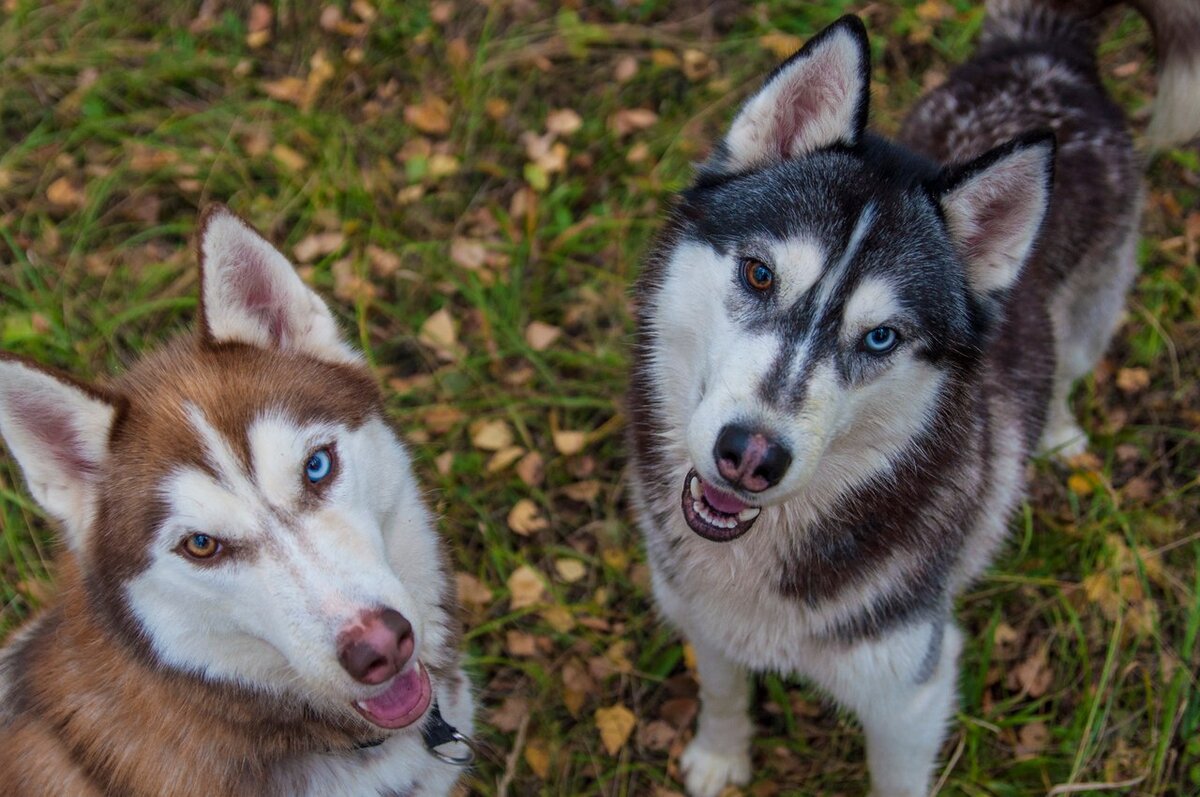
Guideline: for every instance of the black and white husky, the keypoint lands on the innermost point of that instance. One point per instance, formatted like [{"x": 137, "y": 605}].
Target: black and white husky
[{"x": 849, "y": 347}]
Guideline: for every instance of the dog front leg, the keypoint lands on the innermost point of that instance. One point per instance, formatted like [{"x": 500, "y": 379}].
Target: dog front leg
[
  {"x": 719, "y": 755},
  {"x": 903, "y": 688}
]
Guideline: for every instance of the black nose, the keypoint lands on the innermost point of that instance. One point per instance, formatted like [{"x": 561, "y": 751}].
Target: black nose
[{"x": 750, "y": 460}]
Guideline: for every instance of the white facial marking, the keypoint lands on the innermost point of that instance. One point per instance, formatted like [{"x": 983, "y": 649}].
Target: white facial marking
[
  {"x": 872, "y": 303},
  {"x": 798, "y": 263}
]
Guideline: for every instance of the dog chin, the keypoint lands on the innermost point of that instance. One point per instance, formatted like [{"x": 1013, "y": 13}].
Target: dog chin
[{"x": 715, "y": 514}]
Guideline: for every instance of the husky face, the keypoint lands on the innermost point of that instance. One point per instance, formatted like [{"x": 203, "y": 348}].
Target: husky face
[
  {"x": 819, "y": 290},
  {"x": 241, "y": 508}
]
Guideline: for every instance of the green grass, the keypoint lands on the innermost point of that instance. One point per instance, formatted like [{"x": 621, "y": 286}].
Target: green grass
[{"x": 148, "y": 117}]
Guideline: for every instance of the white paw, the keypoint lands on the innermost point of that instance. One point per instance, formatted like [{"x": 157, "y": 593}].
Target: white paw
[
  {"x": 706, "y": 772},
  {"x": 1064, "y": 440}
]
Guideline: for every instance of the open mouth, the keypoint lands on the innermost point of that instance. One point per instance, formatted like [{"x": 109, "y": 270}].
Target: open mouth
[
  {"x": 402, "y": 703},
  {"x": 715, "y": 515}
]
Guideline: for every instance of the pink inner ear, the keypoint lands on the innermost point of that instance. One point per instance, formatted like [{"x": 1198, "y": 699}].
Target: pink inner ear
[
  {"x": 256, "y": 292},
  {"x": 54, "y": 429},
  {"x": 997, "y": 219},
  {"x": 819, "y": 92}
]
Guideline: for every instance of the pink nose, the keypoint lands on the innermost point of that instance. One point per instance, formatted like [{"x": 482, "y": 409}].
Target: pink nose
[{"x": 376, "y": 646}]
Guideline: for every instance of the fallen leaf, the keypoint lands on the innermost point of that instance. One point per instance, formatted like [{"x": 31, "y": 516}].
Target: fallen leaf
[
  {"x": 531, "y": 469},
  {"x": 1032, "y": 739},
  {"x": 491, "y": 435},
  {"x": 630, "y": 120},
  {"x": 441, "y": 418},
  {"x": 511, "y": 713},
  {"x": 520, "y": 644},
  {"x": 348, "y": 284},
  {"x": 526, "y": 587},
  {"x": 563, "y": 122},
  {"x": 569, "y": 442},
  {"x": 472, "y": 591},
  {"x": 444, "y": 462},
  {"x": 383, "y": 262},
  {"x": 656, "y": 735},
  {"x": 577, "y": 685},
  {"x": 625, "y": 69},
  {"x": 541, "y": 336},
  {"x": 1033, "y": 676},
  {"x": 431, "y": 116},
  {"x": 438, "y": 333},
  {"x": 286, "y": 89},
  {"x": 559, "y": 618},
  {"x": 496, "y": 108},
  {"x": 310, "y": 247},
  {"x": 65, "y": 194},
  {"x": 570, "y": 570},
  {"x": 781, "y": 45},
  {"x": 584, "y": 492},
  {"x": 289, "y": 158},
  {"x": 615, "y": 724},
  {"x": 503, "y": 458},
  {"x": 469, "y": 254},
  {"x": 525, "y": 519},
  {"x": 697, "y": 65},
  {"x": 1132, "y": 380},
  {"x": 538, "y": 758}
]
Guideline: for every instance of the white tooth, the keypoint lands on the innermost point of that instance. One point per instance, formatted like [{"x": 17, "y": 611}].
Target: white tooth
[
  {"x": 749, "y": 513},
  {"x": 694, "y": 486}
]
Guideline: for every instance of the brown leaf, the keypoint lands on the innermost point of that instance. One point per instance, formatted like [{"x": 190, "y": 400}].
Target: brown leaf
[
  {"x": 615, "y": 723},
  {"x": 503, "y": 458},
  {"x": 559, "y": 618},
  {"x": 1032, "y": 739},
  {"x": 525, "y": 519},
  {"x": 531, "y": 469},
  {"x": 626, "y": 68},
  {"x": 630, "y": 120},
  {"x": 439, "y": 333},
  {"x": 289, "y": 158},
  {"x": 444, "y": 462},
  {"x": 679, "y": 711},
  {"x": 383, "y": 262},
  {"x": 286, "y": 89},
  {"x": 526, "y": 587},
  {"x": 472, "y": 591},
  {"x": 441, "y": 418},
  {"x": 431, "y": 116},
  {"x": 65, "y": 194},
  {"x": 469, "y": 254},
  {"x": 310, "y": 247},
  {"x": 584, "y": 492},
  {"x": 520, "y": 644},
  {"x": 1033, "y": 676},
  {"x": 348, "y": 285},
  {"x": 1132, "y": 380},
  {"x": 508, "y": 717},
  {"x": 541, "y": 336},
  {"x": 781, "y": 45},
  {"x": 656, "y": 735}
]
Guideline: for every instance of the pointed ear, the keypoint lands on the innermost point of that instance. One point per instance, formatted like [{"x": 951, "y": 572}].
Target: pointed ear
[
  {"x": 994, "y": 208},
  {"x": 57, "y": 430},
  {"x": 815, "y": 99},
  {"x": 250, "y": 293}
]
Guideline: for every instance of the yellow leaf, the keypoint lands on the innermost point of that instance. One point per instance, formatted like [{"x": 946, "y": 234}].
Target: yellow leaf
[
  {"x": 615, "y": 724},
  {"x": 538, "y": 758},
  {"x": 63, "y": 193},
  {"x": 526, "y": 587},
  {"x": 559, "y": 618},
  {"x": 781, "y": 45},
  {"x": 289, "y": 158},
  {"x": 491, "y": 435},
  {"x": 570, "y": 570},
  {"x": 286, "y": 89},
  {"x": 431, "y": 116},
  {"x": 525, "y": 519},
  {"x": 1083, "y": 483}
]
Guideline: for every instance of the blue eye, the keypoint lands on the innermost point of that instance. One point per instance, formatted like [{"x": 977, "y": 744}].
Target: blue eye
[
  {"x": 319, "y": 465},
  {"x": 880, "y": 340}
]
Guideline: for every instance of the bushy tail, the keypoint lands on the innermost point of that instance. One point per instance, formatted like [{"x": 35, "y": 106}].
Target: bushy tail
[{"x": 1176, "y": 27}]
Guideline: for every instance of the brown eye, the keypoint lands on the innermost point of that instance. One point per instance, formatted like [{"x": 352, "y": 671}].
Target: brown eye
[
  {"x": 201, "y": 546},
  {"x": 756, "y": 275}
]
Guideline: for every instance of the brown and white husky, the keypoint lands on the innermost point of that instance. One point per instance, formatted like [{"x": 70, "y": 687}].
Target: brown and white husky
[{"x": 252, "y": 598}]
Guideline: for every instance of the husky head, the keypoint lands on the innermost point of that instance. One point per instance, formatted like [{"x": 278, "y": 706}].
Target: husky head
[
  {"x": 239, "y": 507},
  {"x": 819, "y": 291}
]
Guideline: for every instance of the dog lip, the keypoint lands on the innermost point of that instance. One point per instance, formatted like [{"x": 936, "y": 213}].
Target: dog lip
[
  {"x": 699, "y": 511},
  {"x": 403, "y": 702}
]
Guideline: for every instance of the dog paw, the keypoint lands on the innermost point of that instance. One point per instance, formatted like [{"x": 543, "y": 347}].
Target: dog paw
[
  {"x": 706, "y": 772},
  {"x": 1064, "y": 440}
]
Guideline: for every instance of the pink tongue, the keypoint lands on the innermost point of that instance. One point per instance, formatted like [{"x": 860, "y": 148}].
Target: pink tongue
[
  {"x": 722, "y": 502},
  {"x": 401, "y": 697}
]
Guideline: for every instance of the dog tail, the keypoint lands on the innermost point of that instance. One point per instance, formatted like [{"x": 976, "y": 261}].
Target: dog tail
[{"x": 1075, "y": 24}]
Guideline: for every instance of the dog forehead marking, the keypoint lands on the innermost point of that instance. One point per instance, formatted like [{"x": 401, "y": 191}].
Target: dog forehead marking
[
  {"x": 831, "y": 282},
  {"x": 219, "y": 452},
  {"x": 801, "y": 262},
  {"x": 873, "y": 302}
]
